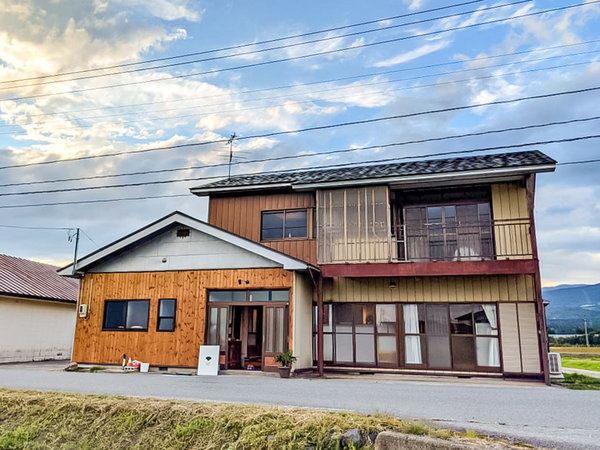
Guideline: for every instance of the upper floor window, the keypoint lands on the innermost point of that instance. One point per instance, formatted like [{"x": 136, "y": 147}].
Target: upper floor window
[
  {"x": 284, "y": 224},
  {"x": 126, "y": 315},
  {"x": 449, "y": 232}
]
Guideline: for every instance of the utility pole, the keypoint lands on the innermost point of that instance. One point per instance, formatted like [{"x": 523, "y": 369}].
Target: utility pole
[
  {"x": 587, "y": 340},
  {"x": 76, "y": 246},
  {"x": 230, "y": 142}
]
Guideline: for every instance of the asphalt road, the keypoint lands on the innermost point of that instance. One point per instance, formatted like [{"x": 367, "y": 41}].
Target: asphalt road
[{"x": 526, "y": 412}]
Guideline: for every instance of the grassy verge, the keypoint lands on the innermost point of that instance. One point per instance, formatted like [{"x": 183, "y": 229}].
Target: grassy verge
[
  {"x": 581, "y": 361},
  {"x": 581, "y": 382},
  {"x": 54, "y": 420}
]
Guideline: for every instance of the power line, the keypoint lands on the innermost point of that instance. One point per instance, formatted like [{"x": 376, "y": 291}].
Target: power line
[
  {"x": 79, "y": 202},
  {"x": 180, "y": 180},
  {"x": 339, "y": 88},
  {"x": 280, "y": 47},
  {"x": 151, "y": 197},
  {"x": 36, "y": 228},
  {"x": 310, "y": 55},
  {"x": 372, "y": 74},
  {"x": 238, "y": 46},
  {"x": 331, "y": 152},
  {"x": 315, "y": 128},
  {"x": 89, "y": 238},
  {"x": 586, "y": 161}
]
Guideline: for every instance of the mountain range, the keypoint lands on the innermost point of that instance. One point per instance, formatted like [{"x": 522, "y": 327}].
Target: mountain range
[{"x": 570, "y": 304}]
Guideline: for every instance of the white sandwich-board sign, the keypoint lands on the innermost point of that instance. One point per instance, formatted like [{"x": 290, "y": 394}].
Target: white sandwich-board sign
[{"x": 208, "y": 360}]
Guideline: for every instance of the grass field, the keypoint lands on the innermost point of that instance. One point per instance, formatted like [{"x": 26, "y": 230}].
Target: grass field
[
  {"x": 54, "y": 420},
  {"x": 576, "y": 349},
  {"x": 581, "y": 361}
]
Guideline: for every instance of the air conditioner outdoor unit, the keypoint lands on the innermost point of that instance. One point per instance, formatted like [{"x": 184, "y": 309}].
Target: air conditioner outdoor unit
[
  {"x": 82, "y": 310},
  {"x": 555, "y": 366}
]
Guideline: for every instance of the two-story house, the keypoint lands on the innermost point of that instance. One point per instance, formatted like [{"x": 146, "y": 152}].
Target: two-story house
[
  {"x": 424, "y": 266},
  {"x": 427, "y": 266}
]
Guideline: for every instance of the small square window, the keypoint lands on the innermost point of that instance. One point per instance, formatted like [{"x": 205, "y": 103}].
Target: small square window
[{"x": 166, "y": 314}]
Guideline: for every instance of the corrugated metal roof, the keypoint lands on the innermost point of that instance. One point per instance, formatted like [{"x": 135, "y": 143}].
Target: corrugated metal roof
[
  {"x": 25, "y": 278},
  {"x": 423, "y": 167}
]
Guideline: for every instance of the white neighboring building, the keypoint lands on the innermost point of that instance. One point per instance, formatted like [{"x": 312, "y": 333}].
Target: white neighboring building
[{"x": 37, "y": 311}]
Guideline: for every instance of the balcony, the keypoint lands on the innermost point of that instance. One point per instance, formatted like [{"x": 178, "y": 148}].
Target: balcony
[
  {"x": 477, "y": 241},
  {"x": 356, "y": 237},
  {"x": 491, "y": 247}
]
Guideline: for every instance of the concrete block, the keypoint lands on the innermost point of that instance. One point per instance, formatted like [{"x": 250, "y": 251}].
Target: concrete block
[{"x": 389, "y": 440}]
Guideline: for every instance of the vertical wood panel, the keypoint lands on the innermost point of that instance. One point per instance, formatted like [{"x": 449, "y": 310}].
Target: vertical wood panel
[
  {"x": 529, "y": 338},
  {"x": 511, "y": 354},
  {"x": 177, "y": 348},
  {"x": 242, "y": 215},
  {"x": 450, "y": 289}
]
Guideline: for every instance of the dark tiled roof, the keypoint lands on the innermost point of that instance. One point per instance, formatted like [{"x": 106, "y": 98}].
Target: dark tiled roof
[
  {"x": 25, "y": 278},
  {"x": 431, "y": 166}
]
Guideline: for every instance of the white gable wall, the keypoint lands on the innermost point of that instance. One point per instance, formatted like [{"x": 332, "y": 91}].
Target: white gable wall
[{"x": 199, "y": 251}]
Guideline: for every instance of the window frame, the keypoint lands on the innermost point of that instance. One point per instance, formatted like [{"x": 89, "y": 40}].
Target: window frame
[
  {"x": 486, "y": 230},
  {"x": 126, "y": 301},
  {"x": 308, "y": 226},
  {"x": 248, "y": 296},
  {"x": 400, "y": 335},
  {"x": 452, "y": 334},
  {"x": 159, "y": 317}
]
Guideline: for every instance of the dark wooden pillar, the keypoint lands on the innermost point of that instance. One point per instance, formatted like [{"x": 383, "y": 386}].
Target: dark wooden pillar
[
  {"x": 320, "y": 312},
  {"x": 539, "y": 302}
]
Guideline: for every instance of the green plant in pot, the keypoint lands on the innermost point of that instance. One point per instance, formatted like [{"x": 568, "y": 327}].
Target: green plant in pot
[{"x": 286, "y": 360}]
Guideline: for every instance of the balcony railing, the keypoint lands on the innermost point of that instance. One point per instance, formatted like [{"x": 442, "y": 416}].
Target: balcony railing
[{"x": 474, "y": 241}]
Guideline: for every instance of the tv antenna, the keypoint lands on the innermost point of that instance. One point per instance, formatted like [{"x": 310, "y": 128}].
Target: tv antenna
[{"x": 230, "y": 142}]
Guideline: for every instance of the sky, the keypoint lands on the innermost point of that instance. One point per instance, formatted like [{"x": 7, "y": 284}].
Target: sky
[{"x": 86, "y": 79}]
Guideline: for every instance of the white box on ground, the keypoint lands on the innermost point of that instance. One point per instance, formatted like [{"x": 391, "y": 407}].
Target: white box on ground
[{"x": 208, "y": 361}]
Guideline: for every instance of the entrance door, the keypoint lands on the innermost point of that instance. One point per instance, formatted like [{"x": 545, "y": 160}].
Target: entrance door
[
  {"x": 275, "y": 332},
  {"x": 238, "y": 331},
  {"x": 253, "y": 342},
  {"x": 234, "y": 341},
  {"x": 244, "y": 343},
  {"x": 217, "y": 331}
]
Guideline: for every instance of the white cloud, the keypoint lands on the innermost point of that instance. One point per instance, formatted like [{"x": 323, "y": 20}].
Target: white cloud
[
  {"x": 414, "y": 4},
  {"x": 413, "y": 54},
  {"x": 167, "y": 9},
  {"x": 213, "y": 122}
]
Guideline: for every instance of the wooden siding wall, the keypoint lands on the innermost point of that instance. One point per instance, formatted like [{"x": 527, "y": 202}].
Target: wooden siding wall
[
  {"x": 477, "y": 288},
  {"x": 520, "y": 343},
  {"x": 178, "y": 348},
  {"x": 509, "y": 203},
  {"x": 242, "y": 215}
]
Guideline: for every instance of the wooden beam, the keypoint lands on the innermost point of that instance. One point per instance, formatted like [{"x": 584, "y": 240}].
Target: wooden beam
[
  {"x": 436, "y": 268},
  {"x": 539, "y": 302}
]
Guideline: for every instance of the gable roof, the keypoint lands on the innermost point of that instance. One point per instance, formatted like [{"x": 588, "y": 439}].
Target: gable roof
[
  {"x": 155, "y": 228},
  {"x": 30, "y": 279},
  {"x": 498, "y": 164}
]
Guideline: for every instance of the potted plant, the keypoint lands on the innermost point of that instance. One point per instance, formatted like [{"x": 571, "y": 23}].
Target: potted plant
[{"x": 285, "y": 359}]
